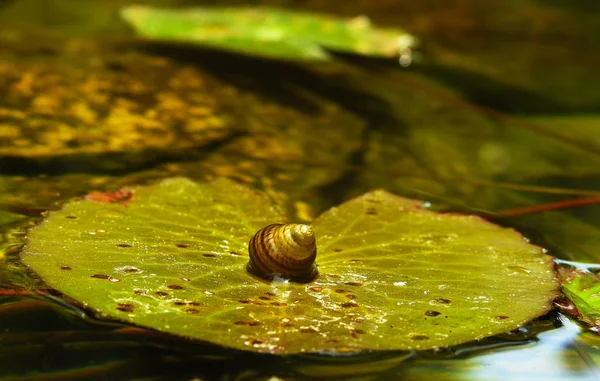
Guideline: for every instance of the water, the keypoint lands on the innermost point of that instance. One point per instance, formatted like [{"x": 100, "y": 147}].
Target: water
[{"x": 498, "y": 111}]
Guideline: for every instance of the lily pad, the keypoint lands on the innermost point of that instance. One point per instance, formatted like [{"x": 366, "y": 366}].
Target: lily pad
[
  {"x": 583, "y": 289},
  {"x": 270, "y": 32},
  {"x": 392, "y": 275},
  {"x": 68, "y": 105},
  {"x": 62, "y": 105}
]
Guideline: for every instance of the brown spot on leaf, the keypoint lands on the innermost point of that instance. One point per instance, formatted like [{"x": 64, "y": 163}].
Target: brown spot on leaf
[
  {"x": 249, "y": 323},
  {"x": 443, "y": 301},
  {"x": 359, "y": 320},
  {"x": 121, "y": 196},
  {"x": 71, "y": 217},
  {"x": 307, "y": 330},
  {"x": 269, "y": 293},
  {"x": 420, "y": 337},
  {"x": 180, "y": 303},
  {"x": 255, "y": 302},
  {"x": 354, "y": 261},
  {"x": 278, "y": 304},
  {"x": 101, "y": 276},
  {"x": 125, "y": 307},
  {"x": 432, "y": 313},
  {"x": 161, "y": 293},
  {"x": 349, "y": 304},
  {"x": 123, "y": 245},
  {"x": 234, "y": 253},
  {"x": 174, "y": 287},
  {"x": 137, "y": 291},
  {"x": 357, "y": 284},
  {"x": 340, "y": 291},
  {"x": 264, "y": 298},
  {"x": 502, "y": 317},
  {"x": 351, "y": 296},
  {"x": 360, "y": 331},
  {"x": 195, "y": 304},
  {"x": 209, "y": 255},
  {"x": 371, "y": 211},
  {"x": 337, "y": 250},
  {"x": 131, "y": 270},
  {"x": 315, "y": 288},
  {"x": 333, "y": 276},
  {"x": 66, "y": 268},
  {"x": 183, "y": 245},
  {"x": 192, "y": 311}
]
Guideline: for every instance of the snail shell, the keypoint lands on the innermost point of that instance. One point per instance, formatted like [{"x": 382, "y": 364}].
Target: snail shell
[{"x": 285, "y": 250}]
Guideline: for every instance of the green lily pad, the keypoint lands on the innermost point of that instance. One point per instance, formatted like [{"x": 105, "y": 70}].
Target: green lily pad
[
  {"x": 392, "y": 275},
  {"x": 583, "y": 289},
  {"x": 262, "y": 31}
]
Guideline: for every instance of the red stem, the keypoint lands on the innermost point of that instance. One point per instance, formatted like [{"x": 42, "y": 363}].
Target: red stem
[{"x": 546, "y": 207}]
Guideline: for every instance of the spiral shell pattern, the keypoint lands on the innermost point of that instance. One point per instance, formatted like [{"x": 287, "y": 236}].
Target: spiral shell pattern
[{"x": 285, "y": 250}]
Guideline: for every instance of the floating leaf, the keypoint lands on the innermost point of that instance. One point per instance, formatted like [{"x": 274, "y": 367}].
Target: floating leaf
[
  {"x": 268, "y": 32},
  {"x": 392, "y": 275},
  {"x": 583, "y": 289}
]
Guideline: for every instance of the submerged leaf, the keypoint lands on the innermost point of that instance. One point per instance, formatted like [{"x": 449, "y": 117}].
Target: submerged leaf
[
  {"x": 392, "y": 276},
  {"x": 268, "y": 32},
  {"x": 91, "y": 107}
]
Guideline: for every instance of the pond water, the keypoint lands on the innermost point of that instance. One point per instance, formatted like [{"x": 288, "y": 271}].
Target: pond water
[{"x": 498, "y": 112}]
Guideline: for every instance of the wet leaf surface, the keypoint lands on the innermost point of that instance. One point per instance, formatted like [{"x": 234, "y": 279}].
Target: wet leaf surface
[
  {"x": 269, "y": 32},
  {"x": 392, "y": 276}
]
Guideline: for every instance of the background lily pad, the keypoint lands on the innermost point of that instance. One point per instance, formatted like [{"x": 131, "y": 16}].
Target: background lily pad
[
  {"x": 392, "y": 275},
  {"x": 270, "y": 32},
  {"x": 72, "y": 105}
]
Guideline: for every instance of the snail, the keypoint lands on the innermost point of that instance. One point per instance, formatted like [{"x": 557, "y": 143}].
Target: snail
[{"x": 283, "y": 250}]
